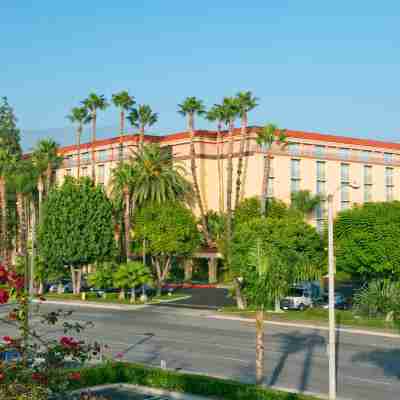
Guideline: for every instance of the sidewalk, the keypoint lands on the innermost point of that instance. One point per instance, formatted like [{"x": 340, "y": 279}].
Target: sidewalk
[{"x": 353, "y": 331}]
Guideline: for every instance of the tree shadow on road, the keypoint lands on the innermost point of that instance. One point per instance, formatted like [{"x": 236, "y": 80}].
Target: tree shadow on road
[
  {"x": 387, "y": 360},
  {"x": 296, "y": 342}
]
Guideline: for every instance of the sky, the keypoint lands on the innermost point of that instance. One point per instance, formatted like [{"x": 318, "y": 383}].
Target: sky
[{"x": 330, "y": 67}]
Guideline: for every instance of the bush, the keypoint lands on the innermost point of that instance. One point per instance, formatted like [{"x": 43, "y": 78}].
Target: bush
[
  {"x": 173, "y": 381},
  {"x": 23, "y": 392},
  {"x": 379, "y": 298}
]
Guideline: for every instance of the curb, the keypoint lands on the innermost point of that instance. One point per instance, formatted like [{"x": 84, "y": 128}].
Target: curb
[
  {"x": 122, "y": 307},
  {"x": 309, "y": 326}
]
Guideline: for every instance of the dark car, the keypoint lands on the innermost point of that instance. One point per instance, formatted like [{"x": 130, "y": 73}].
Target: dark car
[{"x": 340, "y": 302}]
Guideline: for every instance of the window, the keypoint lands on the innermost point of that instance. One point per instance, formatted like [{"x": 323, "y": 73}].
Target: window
[
  {"x": 100, "y": 174},
  {"x": 367, "y": 183},
  {"x": 345, "y": 173},
  {"x": 167, "y": 151},
  {"x": 345, "y": 188},
  {"x": 102, "y": 155},
  {"x": 365, "y": 155},
  {"x": 294, "y": 175},
  {"x": 319, "y": 151},
  {"x": 320, "y": 210},
  {"x": 294, "y": 148},
  {"x": 85, "y": 157},
  {"x": 344, "y": 153},
  {"x": 388, "y": 158},
  {"x": 389, "y": 183},
  {"x": 68, "y": 172},
  {"x": 85, "y": 171},
  {"x": 68, "y": 160}
]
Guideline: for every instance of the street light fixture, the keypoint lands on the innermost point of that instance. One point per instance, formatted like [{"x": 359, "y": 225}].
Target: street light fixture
[{"x": 331, "y": 284}]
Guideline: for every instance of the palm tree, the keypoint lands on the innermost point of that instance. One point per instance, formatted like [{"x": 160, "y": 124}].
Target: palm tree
[
  {"x": 142, "y": 117},
  {"x": 123, "y": 182},
  {"x": 45, "y": 158},
  {"x": 157, "y": 179},
  {"x": 246, "y": 103},
  {"x": 93, "y": 103},
  {"x": 190, "y": 108},
  {"x": 216, "y": 114},
  {"x": 81, "y": 117},
  {"x": 7, "y": 161},
  {"x": 124, "y": 102},
  {"x": 305, "y": 202},
  {"x": 231, "y": 111},
  {"x": 268, "y": 135},
  {"x": 273, "y": 276}
]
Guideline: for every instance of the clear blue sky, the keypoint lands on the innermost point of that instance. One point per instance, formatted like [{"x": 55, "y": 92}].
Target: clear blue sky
[{"x": 315, "y": 65}]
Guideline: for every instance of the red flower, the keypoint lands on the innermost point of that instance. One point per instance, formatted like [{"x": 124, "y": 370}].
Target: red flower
[
  {"x": 74, "y": 376},
  {"x": 3, "y": 274},
  {"x": 68, "y": 342},
  {"x": 4, "y": 296},
  {"x": 19, "y": 282},
  {"x": 7, "y": 339}
]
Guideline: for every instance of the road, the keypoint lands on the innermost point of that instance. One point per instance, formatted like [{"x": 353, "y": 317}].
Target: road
[{"x": 191, "y": 340}]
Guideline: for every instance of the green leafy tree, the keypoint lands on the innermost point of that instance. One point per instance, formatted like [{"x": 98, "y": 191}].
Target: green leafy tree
[
  {"x": 123, "y": 101},
  {"x": 266, "y": 138},
  {"x": 79, "y": 116},
  {"x": 190, "y": 108},
  {"x": 93, "y": 103},
  {"x": 141, "y": 118},
  {"x": 9, "y": 133},
  {"x": 366, "y": 239},
  {"x": 246, "y": 103},
  {"x": 77, "y": 227},
  {"x": 170, "y": 231}
]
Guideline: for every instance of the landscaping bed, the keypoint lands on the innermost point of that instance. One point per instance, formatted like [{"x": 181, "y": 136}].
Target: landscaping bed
[{"x": 200, "y": 385}]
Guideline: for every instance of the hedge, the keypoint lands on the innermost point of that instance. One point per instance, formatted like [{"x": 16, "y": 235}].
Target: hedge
[{"x": 201, "y": 385}]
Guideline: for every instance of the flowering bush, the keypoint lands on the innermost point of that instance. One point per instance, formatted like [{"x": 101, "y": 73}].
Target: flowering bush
[{"x": 39, "y": 368}]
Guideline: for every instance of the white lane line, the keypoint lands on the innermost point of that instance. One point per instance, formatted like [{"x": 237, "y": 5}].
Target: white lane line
[{"x": 371, "y": 381}]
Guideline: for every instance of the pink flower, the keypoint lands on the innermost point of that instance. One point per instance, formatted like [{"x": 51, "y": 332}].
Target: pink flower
[
  {"x": 74, "y": 376},
  {"x": 4, "y": 296},
  {"x": 3, "y": 274},
  {"x": 119, "y": 355},
  {"x": 7, "y": 339}
]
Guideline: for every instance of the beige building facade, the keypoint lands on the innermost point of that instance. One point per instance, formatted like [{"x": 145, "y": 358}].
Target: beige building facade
[{"x": 322, "y": 164}]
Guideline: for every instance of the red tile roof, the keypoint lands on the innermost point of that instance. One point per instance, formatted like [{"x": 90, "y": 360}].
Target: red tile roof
[{"x": 327, "y": 138}]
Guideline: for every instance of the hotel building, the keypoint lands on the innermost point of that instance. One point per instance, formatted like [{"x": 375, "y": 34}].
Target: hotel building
[{"x": 320, "y": 163}]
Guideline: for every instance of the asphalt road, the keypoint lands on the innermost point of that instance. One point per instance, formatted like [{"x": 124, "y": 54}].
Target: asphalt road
[{"x": 368, "y": 366}]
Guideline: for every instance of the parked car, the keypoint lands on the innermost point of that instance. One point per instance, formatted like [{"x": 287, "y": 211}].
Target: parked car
[
  {"x": 340, "y": 302},
  {"x": 64, "y": 285},
  {"x": 300, "y": 297}
]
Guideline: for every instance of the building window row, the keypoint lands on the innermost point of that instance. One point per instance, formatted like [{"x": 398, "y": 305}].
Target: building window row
[
  {"x": 368, "y": 183},
  {"x": 294, "y": 175}
]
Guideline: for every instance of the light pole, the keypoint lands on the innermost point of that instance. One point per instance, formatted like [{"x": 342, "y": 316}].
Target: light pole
[{"x": 331, "y": 284}]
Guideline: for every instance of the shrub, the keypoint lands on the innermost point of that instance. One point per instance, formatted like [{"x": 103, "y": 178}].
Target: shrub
[{"x": 195, "y": 384}]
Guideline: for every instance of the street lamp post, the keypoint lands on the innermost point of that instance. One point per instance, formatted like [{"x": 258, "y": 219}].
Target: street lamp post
[{"x": 331, "y": 295}]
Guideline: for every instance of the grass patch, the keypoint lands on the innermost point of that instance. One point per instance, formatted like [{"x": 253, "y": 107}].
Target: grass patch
[
  {"x": 112, "y": 298},
  {"x": 180, "y": 382},
  {"x": 318, "y": 316}
]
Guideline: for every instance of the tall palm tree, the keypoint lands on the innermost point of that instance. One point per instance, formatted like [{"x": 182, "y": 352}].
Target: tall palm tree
[
  {"x": 231, "y": 112},
  {"x": 142, "y": 117},
  {"x": 45, "y": 158},
  {"x": 123, "y": 182},
  {"x": 190, "y": 108},
  {"x": 93, "y": 103},
  {"x": 7, "y": 161},
  {"x": 216, "y": 114},
  {"x": 159, "y": 180},
  {"x": 124, "y": 102},
  {"x": 81, "y": 117},
  {"x": 266, "y": 138},
  {"x": 246, "y": 103}
]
